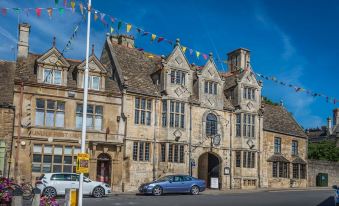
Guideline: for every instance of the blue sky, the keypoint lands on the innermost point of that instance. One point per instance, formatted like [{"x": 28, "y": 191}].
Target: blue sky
[{"x": 295, "y": 41}]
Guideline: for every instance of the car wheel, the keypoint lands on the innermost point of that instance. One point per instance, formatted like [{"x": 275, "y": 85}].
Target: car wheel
[
  {"x": 98, "y": 192},
  {"x": 157, "y": 191},
  {"x": 49, "y": 192},
  {"x": 195, "y": 190}
]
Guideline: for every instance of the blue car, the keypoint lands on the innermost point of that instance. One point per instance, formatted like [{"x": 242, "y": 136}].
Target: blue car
[
  {"x": 336, "y": 195},
  {"x": 174, "y": 184}
]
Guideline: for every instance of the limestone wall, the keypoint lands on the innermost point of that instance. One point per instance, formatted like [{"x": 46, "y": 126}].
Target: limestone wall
[{"x": 319, "y": 166}]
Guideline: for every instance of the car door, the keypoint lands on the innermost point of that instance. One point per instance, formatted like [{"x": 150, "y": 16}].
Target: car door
[
  {"x": 167, "y": 185},
  {"x": 187, "y": 183},
  {"x": 177, "y": 185},
  {"x": 61, "y": 182},
  {"x": 87, "y": 187}
]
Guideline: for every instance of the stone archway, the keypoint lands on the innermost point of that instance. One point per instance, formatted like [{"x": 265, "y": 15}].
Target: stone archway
[
  {"x": 209, "y": 165},
  {"x": 104, "y": 168}
]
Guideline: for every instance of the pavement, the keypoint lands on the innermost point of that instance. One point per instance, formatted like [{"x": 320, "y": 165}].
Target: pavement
[{"x": 258, "y": 197}]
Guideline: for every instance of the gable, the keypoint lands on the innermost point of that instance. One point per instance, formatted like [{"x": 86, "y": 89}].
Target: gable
[
  {"x": 249, "y": 79},
  {"x": 210, "y": 71},
  {"x": 177, "y": 59},
  {"x": 53, "y": 57},
  {"x": 94, "y": 65}
]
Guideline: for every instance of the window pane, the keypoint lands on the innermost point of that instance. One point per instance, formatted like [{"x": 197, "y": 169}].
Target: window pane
[
  {"x": 68, "y": 151},
  {"x": 47, "y": 149},
  {"x": 90, "y": 109},
  {"x": 61, "y": 106},
  {"x": 57, "y": 150},
  {"x": 50, "y": 118},
  {"x": 46, "y": 168},
  {"x": 143, "y": 103},
  {"x": 135, "y": 151},
  {"x": 79, "y": 108},
  {"x": 67, "y": 168},
  {"x": 206, "y": 87},
  {"x": 37, "y": 148},
  {"x": 40, "y": 104},
  {"x": 137, "y": 103},
  {"x": 141, "y": 151},
  {"x": 47, "y": 158},
  {"x": 78, "y": 121},
  {"x": 37, "y": 158},
  {"x": 96, "y": 83},
  {"x": 76, "y": 150},
  {"x": 98, "y": 122},
  {"x": 59, "y": 119},
  {"x": 146, "y": 151},
  {"x": 148, "y": 118},
  {"x": 172, "y": 76},
  {"x": 57, "y": 168},
  {"x": 50, "y": 104},
  {"x": 67, "y": 159},
  {"x": 149, "y": 104},
  {"x": 98, "y": 110},
  {"x": 136, "y": 116},
  {"x": 39, "y": 117},
  {"x": 57, "y": 77},
  {"x": 142, "y": 117},
  {"x": 89, "y": 121},
  {"x": 48, "y": 76},
  {"x": 36, "y": 167},
  {"x": 57, "y": 159}
]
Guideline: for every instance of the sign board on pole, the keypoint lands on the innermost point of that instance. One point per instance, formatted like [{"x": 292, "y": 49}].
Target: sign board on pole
[
  {"x": 214, "y": 183},
  {"x": 82, "y": 163}
]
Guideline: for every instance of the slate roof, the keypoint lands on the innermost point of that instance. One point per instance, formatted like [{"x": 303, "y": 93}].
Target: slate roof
[
  {"x": 7, "y": 69},
  {"x": 26, "y": 71},
  {"x": 278, "y": 119},
  {"x": 136, "y": 68},
  {"x": 299, "y": 160},
  {"x": 277, "y": 158}
]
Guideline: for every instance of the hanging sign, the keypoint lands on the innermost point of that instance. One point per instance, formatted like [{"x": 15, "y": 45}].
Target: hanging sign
[{"x": 82, "y": 163}]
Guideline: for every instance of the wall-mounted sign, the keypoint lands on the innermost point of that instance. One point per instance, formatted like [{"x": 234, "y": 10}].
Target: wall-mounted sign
[
  {"x": 226, "y": 170},
  {"x": 214, "y": 183},
  {"x": 82, "y": 163},
  {"x": 192, "y": 162}
]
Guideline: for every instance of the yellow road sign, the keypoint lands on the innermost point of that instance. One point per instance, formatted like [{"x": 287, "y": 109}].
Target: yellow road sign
[{"x": 82, "y": 163}]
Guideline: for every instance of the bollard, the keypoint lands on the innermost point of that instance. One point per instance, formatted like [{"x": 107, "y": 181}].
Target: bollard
[
  {"x": 36, "y": 197},
  {"x": 17, "y": 197},
  {"x": 71, "y": 197}
]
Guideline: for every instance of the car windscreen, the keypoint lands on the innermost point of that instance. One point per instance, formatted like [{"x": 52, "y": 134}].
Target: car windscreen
[{"x": 165, "y": 178}]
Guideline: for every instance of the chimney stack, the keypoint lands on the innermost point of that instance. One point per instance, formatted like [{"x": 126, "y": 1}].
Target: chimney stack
[
  {"x": 23, "y": 43},
  {"x": 124, "y": 40},
  {"x": 238, "y": 59},
  {"x": 329, "y": 125},
  {"x": 336, "y": 116}
]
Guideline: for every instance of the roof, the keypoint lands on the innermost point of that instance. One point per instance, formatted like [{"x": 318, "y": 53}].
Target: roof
[
  {"x": 299, "y": 160},
  {"x": 277, "y": 158},
  {"x": 278, "y": 119},
  {"x": 26, "y": 71},
  {"x": 136, "y": 68},
  {"x": 7, "y": 69}
]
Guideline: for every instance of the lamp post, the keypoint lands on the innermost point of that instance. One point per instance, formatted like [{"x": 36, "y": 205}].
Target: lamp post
[{"x": 84, "y": 109}]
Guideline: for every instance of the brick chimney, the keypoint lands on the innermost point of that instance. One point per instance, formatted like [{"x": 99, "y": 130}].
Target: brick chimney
[
  {"x": 124, "y": 40},
  {"x": 336, "y": 116},
  {"x": 239, "y": 58},
  {"x": 23, "y": 43}
]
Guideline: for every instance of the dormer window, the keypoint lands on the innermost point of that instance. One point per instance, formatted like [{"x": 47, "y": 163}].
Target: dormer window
[
  {"x": 211, "y": 87},
  {"x": 249, "y": 93},
  {"x": 52, "y": 76},
  {"x": 178, "y": 77},
  {"x": 93, "y": 82}
]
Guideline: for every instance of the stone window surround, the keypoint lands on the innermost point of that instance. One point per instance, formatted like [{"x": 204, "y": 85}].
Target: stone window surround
[
  {"x": 45, "y": 109},
  {"x": 219, "y": 124},
  {"x": 94, "y": 115},
  {"x": 143, "y": 116},
  {"x": 80, "y": 79},
  {"x": 41, "y": 70},
  {"x": 141, "y": 154},
  {"x": 295, "y": 147},
  {"x": 167, "y": 114},
  {"x": 277, "y": 145},
  {"x": 242, "y": 160},
  {"x": 280, "y": 170},
  {"x": 175, "y": 73},
  {"x": 252, "y": 125},
  {"x": 210, "y": 87},
  {"x": 298, "y": 171}
]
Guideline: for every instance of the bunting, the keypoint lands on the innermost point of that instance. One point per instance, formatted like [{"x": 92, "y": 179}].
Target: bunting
[
  {"x": 50, "y": 12},
  {"x": 73, "y": 5},
  {"x": 184, "y": 49},
  {"x": 81, "y": 7},
  {"x": 128, "y": 28},
  {"x": 112, "y": 30},
  {"x": 38, "y": 12},
  {"x": 197, "y": 54},
  {"x": 153, "y": 37},
  {"x": 119, "y": 25},
  {"x": 160, "y": 39}
]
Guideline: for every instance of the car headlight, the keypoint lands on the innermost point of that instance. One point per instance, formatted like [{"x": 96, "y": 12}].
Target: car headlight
[{"x": 107, "y": 185}]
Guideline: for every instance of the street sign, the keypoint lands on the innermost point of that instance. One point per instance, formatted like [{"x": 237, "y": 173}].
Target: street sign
[
  {"x": 193, "y": 162},
  {"x": 82, "y": 163},
  {"x": 216, "y": 140}
]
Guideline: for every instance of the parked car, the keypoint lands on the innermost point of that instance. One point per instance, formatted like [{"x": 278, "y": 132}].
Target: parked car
[
  {"x": 53, "y": 184},
  {"x": 336, "y": 195},
  {"x": 173, "y": 184}
]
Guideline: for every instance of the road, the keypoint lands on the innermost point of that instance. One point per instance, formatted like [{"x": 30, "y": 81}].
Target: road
[{"x": 276, "y": 198}]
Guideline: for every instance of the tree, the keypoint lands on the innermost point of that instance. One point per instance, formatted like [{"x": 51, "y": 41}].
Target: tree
[{"x": 325, "y": 150}]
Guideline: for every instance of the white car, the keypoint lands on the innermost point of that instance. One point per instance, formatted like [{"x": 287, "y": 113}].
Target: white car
[{"x": 53, "y": 184}]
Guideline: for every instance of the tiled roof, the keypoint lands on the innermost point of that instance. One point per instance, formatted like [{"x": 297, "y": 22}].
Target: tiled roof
[
  {"x": 136, "y": 68},
  {"x": 6, "y": 82},
  {"x": 278, "y": 119},
  {"x": 277, "y": 158},
  {"x": 299, "y": 160}
]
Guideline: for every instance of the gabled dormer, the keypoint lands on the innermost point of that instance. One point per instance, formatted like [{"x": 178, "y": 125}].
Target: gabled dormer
[
  {"x": 210, "y": 85},
  {"x": 177, "y": 75},
  {"x": 97, "y": 74},
  {"x": 52, "y": 68}
]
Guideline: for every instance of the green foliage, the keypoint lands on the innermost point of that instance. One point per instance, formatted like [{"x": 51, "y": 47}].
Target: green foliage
[
  {"x": 325, "y": 150},
  {"x": 268, "y": 101}
]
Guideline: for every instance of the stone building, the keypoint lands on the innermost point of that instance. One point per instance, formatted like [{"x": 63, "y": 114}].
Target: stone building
[
  {"x": 148, "y": 116},
  {"x": 284, "y": 162}
]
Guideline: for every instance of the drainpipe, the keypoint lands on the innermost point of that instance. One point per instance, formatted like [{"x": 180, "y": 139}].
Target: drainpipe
[
  {"x": 16, "y": 163},
  {"x": 231, "y": 160},
  {"x": 124, "y": 117},
  {"x": 190, "y": 144},
  {"x": 154, "y": 138},
  {"x": 259, "y": 153}
]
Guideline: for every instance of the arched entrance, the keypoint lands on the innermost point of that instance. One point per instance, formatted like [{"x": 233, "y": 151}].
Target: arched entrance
[
  {"x": 104, "y": 168},
  {"x": 209, "y": 166}
]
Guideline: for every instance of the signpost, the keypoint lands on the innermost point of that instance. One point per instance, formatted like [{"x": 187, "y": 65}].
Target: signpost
[{"x": 82, "y": 163}]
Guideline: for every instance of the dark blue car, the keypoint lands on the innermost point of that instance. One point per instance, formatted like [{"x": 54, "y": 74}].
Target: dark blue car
[
  {"x": 174, "y": 184},
  {"x": 336, "y": 195}
]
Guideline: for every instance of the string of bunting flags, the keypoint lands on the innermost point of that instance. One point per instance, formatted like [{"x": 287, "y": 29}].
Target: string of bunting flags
[{"x": 116, "y": 25}]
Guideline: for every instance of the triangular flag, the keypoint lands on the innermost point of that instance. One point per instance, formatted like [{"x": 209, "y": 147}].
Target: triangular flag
[
  {"x": 170, "y": 42},
  {"x": 128, "y": 27},
  {"x": 119, "y": 25},
  {"x": 184, "y": 49},
  {"x": 17, "y": 10},
  {"x": 56, "y": 1},
  {"x": 65, "y": 3},
  {"x": 153, "y": 37},
  {"x": 4, "y": 11},
  {"x": 160, "y": 39},
  {"x": 95, "y": 16},
  {"x": 26, "y": 11},
  {"x": 102, "y": 18},
  {"x": 139, "y": 30},
  {"x": 205, "y": 56},
  {"x": 112, "y": 30},
  {"x": 112, "y": 20},
  {"x": 73, "y": 5},
  {"x": 145, "y": 33},
  {"x": 81, "y": 8},
  {"x": 38, "y": 11},
  {"x": 50, "y": 12},
  {"x": 197, "y": 53},
  {"x": 191, "y": 51},
  {"x": 61, "y": 10}
]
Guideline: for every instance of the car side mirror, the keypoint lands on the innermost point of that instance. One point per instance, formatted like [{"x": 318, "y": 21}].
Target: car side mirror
[{"x": 335, "y": 187}]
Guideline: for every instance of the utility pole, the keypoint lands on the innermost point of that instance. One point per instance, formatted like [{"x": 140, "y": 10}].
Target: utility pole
[
  {"x": 190, "y": 144},
  {"x": 16, "y": 163},
  {"x": 84, "y": 108}
]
